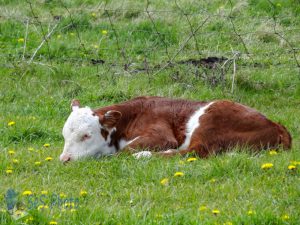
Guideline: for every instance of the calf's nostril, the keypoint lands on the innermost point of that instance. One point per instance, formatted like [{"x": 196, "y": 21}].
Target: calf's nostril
[{"x": 65, "y": 158}]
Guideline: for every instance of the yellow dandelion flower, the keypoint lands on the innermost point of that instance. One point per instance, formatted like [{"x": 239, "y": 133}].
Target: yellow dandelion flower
[
  {"x": 228, "y": 223},
  {"x": 42, "y": 207},
  {"x": 29, "y": 220},
  {"x": 215, "y": 211},
  {"x": 30, "y": 149},
  {"x": 21, "y": 40},
  {"x": 191, "y": 159},
  {"x": 9, "y": 171},
  {"x": 292, "y": 167},
  {"x": 15, "y": 161},
  {"x": 53, "y": 223},
  {"x": 213, "y": 180},
  {"x": 267, "y": 165},
  {"x": 46, "y": 145},
  {"x": 11, "y": 152},
  {"x": 250, "y": 212},
  {"x": 27, "y": 193},
  {"x": 19, "y": 213},
  {"x": 48, "y": 159},
  {"x": 164, "y": 181},
  {"x": 44, "y": 192},
  {"x": 285, "y": 217},
  {"x": 104, "y": 32},
  {"x": 272, "y": 152},
  {"x": 62, "y": 195},
  {"x": 69, "y": 205},
  {"x": 93, "y": 14},
  {"x": 202, "y": 208},
  {"x": 295, "y": 163},
  {"x": 11, "y": 123},
  {"x": 37, "y": 163},
  {"x": 83, "y": 193},
  {"x": 178, "y": 174}
]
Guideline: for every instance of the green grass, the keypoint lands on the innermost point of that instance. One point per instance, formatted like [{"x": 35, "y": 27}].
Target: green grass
[{"x": 123, "y": 190}]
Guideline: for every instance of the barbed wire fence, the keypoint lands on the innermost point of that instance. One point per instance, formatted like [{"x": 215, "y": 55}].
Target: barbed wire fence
[{"x": 210, "y": 64}]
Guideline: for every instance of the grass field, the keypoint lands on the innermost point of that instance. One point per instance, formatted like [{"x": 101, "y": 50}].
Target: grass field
[{"x": 107, "y": 52}]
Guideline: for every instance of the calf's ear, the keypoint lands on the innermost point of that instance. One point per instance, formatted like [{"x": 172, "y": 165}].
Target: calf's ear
[
  {"x": 75, "y": 104},
  {"x": 110, "y": 118}
]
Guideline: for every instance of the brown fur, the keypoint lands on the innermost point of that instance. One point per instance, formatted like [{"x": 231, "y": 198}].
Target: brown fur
[{"x": 160, "y": 124}]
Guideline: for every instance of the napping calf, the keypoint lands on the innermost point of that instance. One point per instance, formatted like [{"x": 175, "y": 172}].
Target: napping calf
[{"x": 168, "y": 127}]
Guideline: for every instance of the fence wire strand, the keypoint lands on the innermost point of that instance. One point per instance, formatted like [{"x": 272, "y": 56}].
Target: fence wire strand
[{"x": 189, "y": 49}]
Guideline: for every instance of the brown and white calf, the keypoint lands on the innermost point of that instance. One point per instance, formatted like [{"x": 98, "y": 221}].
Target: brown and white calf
[{"x": 168, "y": 127}]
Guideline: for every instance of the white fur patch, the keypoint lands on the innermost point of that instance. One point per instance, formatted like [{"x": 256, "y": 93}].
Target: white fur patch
[
  {"x": 83, "y": 122},
  {"x": 168, "y": 151},
  {"x": 143, "y": 154},
  {"x": 192, "y": 124},
  {"x": 123, "y": 143}
]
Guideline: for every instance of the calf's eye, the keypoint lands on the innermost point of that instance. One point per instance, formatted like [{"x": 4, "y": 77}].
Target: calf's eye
[{"x": 85, "y": 137}]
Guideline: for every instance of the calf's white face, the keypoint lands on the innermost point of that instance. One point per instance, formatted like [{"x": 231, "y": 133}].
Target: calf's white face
[{"x": 82, "y": 134}]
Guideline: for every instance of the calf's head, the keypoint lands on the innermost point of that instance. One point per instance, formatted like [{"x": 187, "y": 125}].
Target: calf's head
[{"x": 87, "y": 134}]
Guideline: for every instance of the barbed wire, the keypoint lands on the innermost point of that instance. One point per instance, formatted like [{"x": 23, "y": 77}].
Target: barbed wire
[
  {"x": 163, "y": 33},
  {"x": 229, "y": 32},
  {"x": 187, "y": 50},
  {"x": 274, "y": 17},
  {"x": 45, "y": 39},
  {"x": 200, "y": 11}
]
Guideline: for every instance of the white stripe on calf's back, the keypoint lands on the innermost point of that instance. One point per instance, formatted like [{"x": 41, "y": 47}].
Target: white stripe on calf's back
[{"x": 192, "y": 124}]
